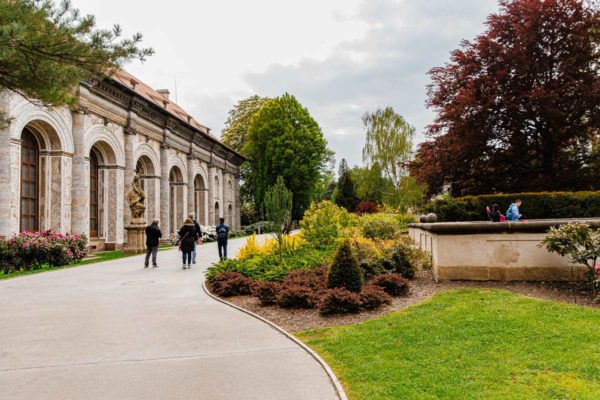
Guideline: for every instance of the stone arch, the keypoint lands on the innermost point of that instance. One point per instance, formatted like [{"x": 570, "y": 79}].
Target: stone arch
[
  {"x": 150, "y": 182},
  {"x": 217, "y": 211},
  {"x": 50, "y": 206},
  {"x": 200, "y": 204},
  {"x": 59, "y": 120},
  {"x": 105, "y": 206},
  {"x": 230, "y": 216},
  {"x": 175, "y": 161},
  {"x": 147, "y": 151},
  {"x": 111, "y": 147},
  {"x": 177, "y": 196}
]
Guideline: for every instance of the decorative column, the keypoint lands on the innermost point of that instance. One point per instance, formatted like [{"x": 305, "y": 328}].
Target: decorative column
[
  {"x": 80, "y": 199},
  {"x": 211, "y": 196},
  {"x": 164, "y": 192},
  {"x": 236, "y": 202},
  {"x": 128, "y": 173},
  {"x": 9, "y": 222},
  {"x": 191, "y": 189}
]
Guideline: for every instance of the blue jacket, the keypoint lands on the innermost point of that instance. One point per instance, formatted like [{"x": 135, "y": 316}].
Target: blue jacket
[{"x": 513, "y": 213}]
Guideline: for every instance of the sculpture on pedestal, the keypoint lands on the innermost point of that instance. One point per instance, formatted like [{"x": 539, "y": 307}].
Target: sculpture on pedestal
[
  {"x": 136, "y": 198},
  {"x": 135, "y": 229}
]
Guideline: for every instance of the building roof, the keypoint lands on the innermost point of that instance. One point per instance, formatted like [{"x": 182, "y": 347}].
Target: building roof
[{"x": 155, "y": 97}]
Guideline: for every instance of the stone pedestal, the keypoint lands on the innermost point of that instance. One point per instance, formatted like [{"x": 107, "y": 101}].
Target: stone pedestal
[{"x": 136, "y": 239}]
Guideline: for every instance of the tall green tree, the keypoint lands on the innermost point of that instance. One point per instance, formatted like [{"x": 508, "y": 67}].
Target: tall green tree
[
  {"x": 284, "y": 140},
  {"x": 46, "y": 50},
  {"x": 278, "y": 208},
  {"x": 345, "y": 193},
  {"x": 370, "y": 183},
  {"x": 389, "y": 142},
  {"x": 238, "y": 121}
]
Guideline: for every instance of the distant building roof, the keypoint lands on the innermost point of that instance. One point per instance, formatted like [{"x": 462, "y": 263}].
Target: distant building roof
[{"x": 161, "y": 100}]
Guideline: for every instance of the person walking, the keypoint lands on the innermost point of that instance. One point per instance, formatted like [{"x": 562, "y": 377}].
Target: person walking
[
  {"x": 198, "y": 235},
  {"x": 513, "y": 214},
  {"x": 222, "y": 236},
  {"x": 153, "y": 234},
  {"x": 187, "y": 235}
]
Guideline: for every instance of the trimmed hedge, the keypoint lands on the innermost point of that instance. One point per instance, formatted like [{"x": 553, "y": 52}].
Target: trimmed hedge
[{"x": 542, "y": 205}]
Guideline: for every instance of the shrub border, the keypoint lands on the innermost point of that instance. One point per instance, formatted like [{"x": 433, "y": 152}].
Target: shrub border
[{"x": 337, "y": 386}]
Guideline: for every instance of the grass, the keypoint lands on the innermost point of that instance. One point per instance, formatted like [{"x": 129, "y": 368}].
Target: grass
[
  {"x": 468, "y": 344},
  {"x": 100, "y": 257}
]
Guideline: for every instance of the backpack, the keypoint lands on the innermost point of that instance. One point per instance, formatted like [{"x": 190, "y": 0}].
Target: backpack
[{"x": 222, "y": 232}]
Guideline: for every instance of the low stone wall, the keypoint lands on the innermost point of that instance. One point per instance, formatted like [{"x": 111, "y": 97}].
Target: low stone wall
[{"x": 488, "y": 251}]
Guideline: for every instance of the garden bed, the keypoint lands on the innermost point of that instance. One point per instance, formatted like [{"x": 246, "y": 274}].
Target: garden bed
[{"x": 421, "y": 288}]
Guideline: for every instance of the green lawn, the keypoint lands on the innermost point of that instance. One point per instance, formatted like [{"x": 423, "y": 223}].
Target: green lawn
[
  {"x": 468, "y": 344},
  {"x": 101, "y": 256}
]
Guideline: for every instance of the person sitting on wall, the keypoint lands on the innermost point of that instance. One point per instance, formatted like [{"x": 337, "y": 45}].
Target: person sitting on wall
[
  {"x": 513, "y": 214},
  {"x": 495, "y": 215}
]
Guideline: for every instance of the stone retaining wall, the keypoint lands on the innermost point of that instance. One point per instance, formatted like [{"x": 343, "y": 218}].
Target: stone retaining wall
[{"x": 487, "y": 251}]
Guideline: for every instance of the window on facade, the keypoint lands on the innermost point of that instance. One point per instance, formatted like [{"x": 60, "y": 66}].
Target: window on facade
[{"x": 29, "y": 182}]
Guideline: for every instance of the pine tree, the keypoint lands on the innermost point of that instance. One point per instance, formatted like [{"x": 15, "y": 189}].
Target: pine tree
[{"x": 344, "y": 271}]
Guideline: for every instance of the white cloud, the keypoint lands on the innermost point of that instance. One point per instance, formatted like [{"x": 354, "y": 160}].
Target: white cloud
[{"x": 339, "y": 57}]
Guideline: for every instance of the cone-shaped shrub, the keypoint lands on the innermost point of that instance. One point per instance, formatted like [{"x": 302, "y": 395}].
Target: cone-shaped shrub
[{"x": 344, "y": 272}]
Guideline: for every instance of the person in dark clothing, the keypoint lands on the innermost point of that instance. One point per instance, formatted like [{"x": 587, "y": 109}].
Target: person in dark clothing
[
  {"x": 496, "y": 214},
  {"x": 187, "y": 235},
  {"x": 222, "y": 236},
  {"x": 198, "y": 235},
  {"x": 153, "y": 234}
]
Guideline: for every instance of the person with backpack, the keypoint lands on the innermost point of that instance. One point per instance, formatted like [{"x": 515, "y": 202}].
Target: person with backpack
[
  {"x": 153, "y": 234},
  {"x": 513, "y": 214},
  {"x": 198, "y": 235},
  {"x": 187, "y": 235},
  {"x": 495, "y": 215},
  {"x": 222, "y": 236}
]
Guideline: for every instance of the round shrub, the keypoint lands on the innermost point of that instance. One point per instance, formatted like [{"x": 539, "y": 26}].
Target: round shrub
[
  {"x": 402, "y": 261},
  {"x": 339, "y": 301},
  {"x": 230, "y": 283},
  {"x": 392, "y": 284},
  {"x": 373, "y": 297},
  {"x": 345, "y": 272},
  {"x": 313, "y": 279},
  {"x": 266, "y": 291},
  {"x": 381, "y": 226},
  {"x": 323, "y": 222},
  {"x": 296, "y": 296}
]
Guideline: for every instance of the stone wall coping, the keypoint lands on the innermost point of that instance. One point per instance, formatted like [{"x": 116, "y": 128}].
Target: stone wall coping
[{"x": 476, "y": 227}]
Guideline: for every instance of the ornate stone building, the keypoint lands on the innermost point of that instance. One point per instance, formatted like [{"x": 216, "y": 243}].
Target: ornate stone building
[{"x": 69, "y": 170}]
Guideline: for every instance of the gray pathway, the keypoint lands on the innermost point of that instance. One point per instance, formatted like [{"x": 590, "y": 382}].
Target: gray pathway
[{"x": 115, "y": 331}]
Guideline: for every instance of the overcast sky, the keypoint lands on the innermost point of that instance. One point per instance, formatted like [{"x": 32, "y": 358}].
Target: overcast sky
[{"x": 339, "y": 58}]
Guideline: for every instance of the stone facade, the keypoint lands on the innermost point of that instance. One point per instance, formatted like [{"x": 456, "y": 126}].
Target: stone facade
[{"x": 125, "y": 126}]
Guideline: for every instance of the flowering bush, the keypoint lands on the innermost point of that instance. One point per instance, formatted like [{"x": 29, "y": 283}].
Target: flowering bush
[
  {"x": 579, "y": 242},
  {"x": 269, "y": 246},
  {"x": 33, "y": 250}
]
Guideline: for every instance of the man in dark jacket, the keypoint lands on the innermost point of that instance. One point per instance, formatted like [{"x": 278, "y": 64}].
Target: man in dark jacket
[
  {"x": 222, "y": 236},
  {"x": 197, "y": 235},
  {"x": 153, "y": 234}
]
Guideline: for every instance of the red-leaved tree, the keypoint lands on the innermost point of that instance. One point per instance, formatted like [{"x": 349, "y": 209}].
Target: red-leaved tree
[{"x": 518, "y": 108}]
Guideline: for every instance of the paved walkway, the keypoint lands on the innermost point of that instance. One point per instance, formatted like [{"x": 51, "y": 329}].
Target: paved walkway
[{"x": 114, "y": 331}]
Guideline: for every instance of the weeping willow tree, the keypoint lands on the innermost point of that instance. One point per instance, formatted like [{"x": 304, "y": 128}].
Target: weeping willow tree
[{"x": 389, "y": 143}]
